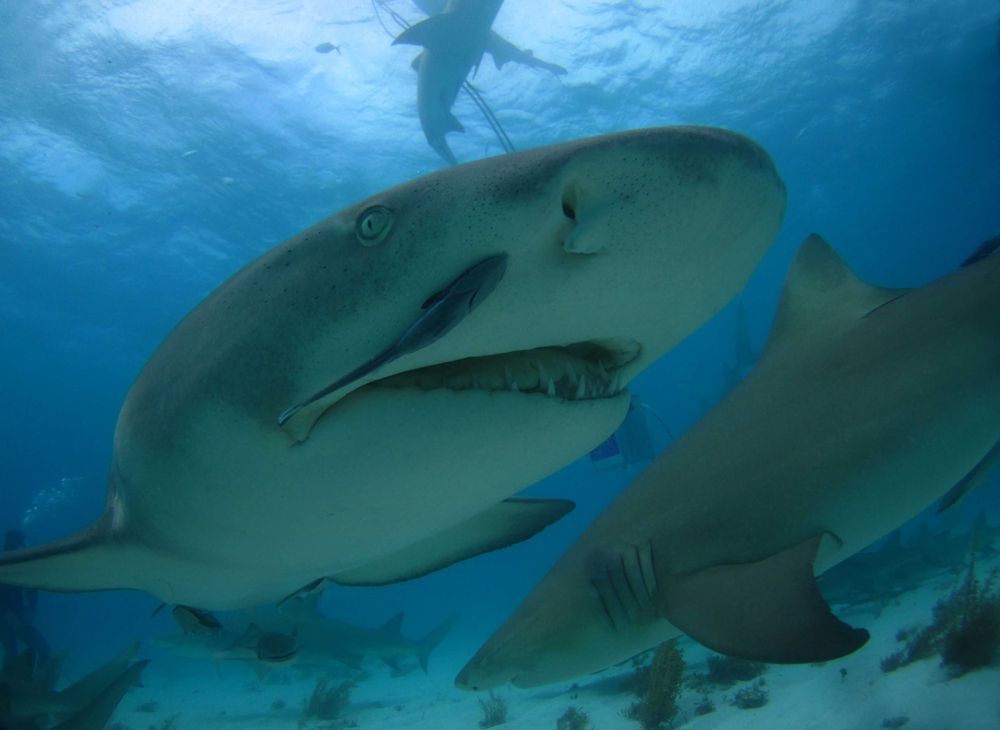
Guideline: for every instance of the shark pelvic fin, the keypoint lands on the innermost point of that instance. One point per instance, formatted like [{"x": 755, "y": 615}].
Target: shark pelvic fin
[
  {"x": 767, "y": 611},
  {"x": 512, "y": 521},
  {"x": 822, "y": 293}
]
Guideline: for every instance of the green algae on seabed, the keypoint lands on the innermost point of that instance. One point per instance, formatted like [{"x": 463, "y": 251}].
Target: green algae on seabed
[
  {"x": 964, "y": 628},
  {"x": 663, "y": 678}
]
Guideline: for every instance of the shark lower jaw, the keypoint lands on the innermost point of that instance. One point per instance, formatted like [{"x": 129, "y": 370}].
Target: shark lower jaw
[{"x": 592, "y": 370}]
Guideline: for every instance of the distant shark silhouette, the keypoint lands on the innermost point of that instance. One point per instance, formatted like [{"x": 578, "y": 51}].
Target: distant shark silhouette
[
  {"x": 322, "y": 637},
  {"x": 28, "y": 699},
  {"x": 299, "y": 633},
  {"x": 866, "y": 406},
  {"x": 361, "y": 402},
  {"x": 454, "y": 39},
  {"x": 896, "y": 566}
]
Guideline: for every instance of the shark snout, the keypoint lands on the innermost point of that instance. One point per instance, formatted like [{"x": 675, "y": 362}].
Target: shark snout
[{"x": 472, "y": 678}]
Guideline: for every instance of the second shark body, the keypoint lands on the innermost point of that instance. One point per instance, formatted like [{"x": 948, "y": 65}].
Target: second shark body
[{"x": 867, "y": 405}]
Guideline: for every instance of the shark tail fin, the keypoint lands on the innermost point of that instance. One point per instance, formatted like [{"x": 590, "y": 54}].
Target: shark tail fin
[
  {"x": 90, "y": 686},
  {"x": 96, "y": 714},
  {"x": 90, "y": 560},
  {"x": 427, "y": 644}
]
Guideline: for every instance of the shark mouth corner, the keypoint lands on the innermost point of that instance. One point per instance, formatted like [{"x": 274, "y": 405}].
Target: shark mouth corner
[{"x": 584, "y": 371}]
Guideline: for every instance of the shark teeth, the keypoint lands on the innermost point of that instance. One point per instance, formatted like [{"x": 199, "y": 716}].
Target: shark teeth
[{"x": 587, "y": 371}]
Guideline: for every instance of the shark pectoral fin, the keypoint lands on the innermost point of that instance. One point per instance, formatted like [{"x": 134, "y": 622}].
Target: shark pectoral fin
[
  {"x": 512, "y": 521},
  {"x": 625, "y": 584},
  {"x": 437, "y": 31},
  {"x": 93, "y": 559},
  {"x": 975, "y": 477},
  {"x": 501, "y": 49},
  {"x": 767, "y": 611}
]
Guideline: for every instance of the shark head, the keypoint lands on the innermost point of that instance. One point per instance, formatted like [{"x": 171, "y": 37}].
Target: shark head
[
  {"x": 412, "y": 361},
  {"x": 613, "y": 250}
]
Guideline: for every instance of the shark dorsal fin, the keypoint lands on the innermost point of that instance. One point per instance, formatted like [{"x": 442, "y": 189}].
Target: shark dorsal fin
[
  {"x": 822, "y": 293},
  {"x": 394, "y": 626}
]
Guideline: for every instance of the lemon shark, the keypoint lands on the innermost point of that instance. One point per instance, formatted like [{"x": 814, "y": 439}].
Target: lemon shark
[
  {"x": 867, "y": 405},
  {"x": 359, "y": 402}
]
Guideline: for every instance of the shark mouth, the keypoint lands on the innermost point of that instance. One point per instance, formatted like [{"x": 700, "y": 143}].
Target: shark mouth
[{"x": 583, "y": 371}]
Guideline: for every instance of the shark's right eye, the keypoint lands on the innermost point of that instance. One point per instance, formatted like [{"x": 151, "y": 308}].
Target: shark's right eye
[{"x": 373, "y": 225}]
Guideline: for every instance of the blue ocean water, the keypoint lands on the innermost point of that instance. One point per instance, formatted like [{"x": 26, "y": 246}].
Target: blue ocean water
[{"x": 151, "y": 148}]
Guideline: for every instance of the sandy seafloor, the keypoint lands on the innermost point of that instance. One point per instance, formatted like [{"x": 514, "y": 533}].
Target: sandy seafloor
[{"x": 192, "y": 694}]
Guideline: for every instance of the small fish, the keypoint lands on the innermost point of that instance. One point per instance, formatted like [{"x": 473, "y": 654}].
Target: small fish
[
  {"x": 270, "y": 646},
  {"x": 196, "y": 621},
  {"x": 326, "y": 47}
]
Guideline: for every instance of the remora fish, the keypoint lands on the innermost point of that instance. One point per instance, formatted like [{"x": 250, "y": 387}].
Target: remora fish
[
  {"x": 866, "y": 406},
  {"x": 601, "y": 253}
]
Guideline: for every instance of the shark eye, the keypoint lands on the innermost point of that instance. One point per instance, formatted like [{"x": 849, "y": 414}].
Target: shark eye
[{"x": 373, "y": 225}]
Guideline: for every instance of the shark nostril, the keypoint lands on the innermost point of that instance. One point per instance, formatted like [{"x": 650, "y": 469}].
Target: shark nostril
[{"x": 568, "y": 211}]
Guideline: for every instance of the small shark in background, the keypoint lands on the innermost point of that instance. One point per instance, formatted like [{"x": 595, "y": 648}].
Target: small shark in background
[
  {"x": 29, "y": 700},
  {"x": 868, "y": 404},
  {"x": 897, "y": 564},
  {"x": 298, "y": 632},
  {"x": 322, "y": 638},
  {"x": 454, "y": 38}
]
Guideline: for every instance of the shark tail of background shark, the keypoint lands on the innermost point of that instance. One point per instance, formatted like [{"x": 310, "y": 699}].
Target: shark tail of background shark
[
  {"x": 427, "y": 644},
  {"x": 96, "y": 714},
  {"x": 90, "y": 687},
  {"x": 92, "y": 559}
]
